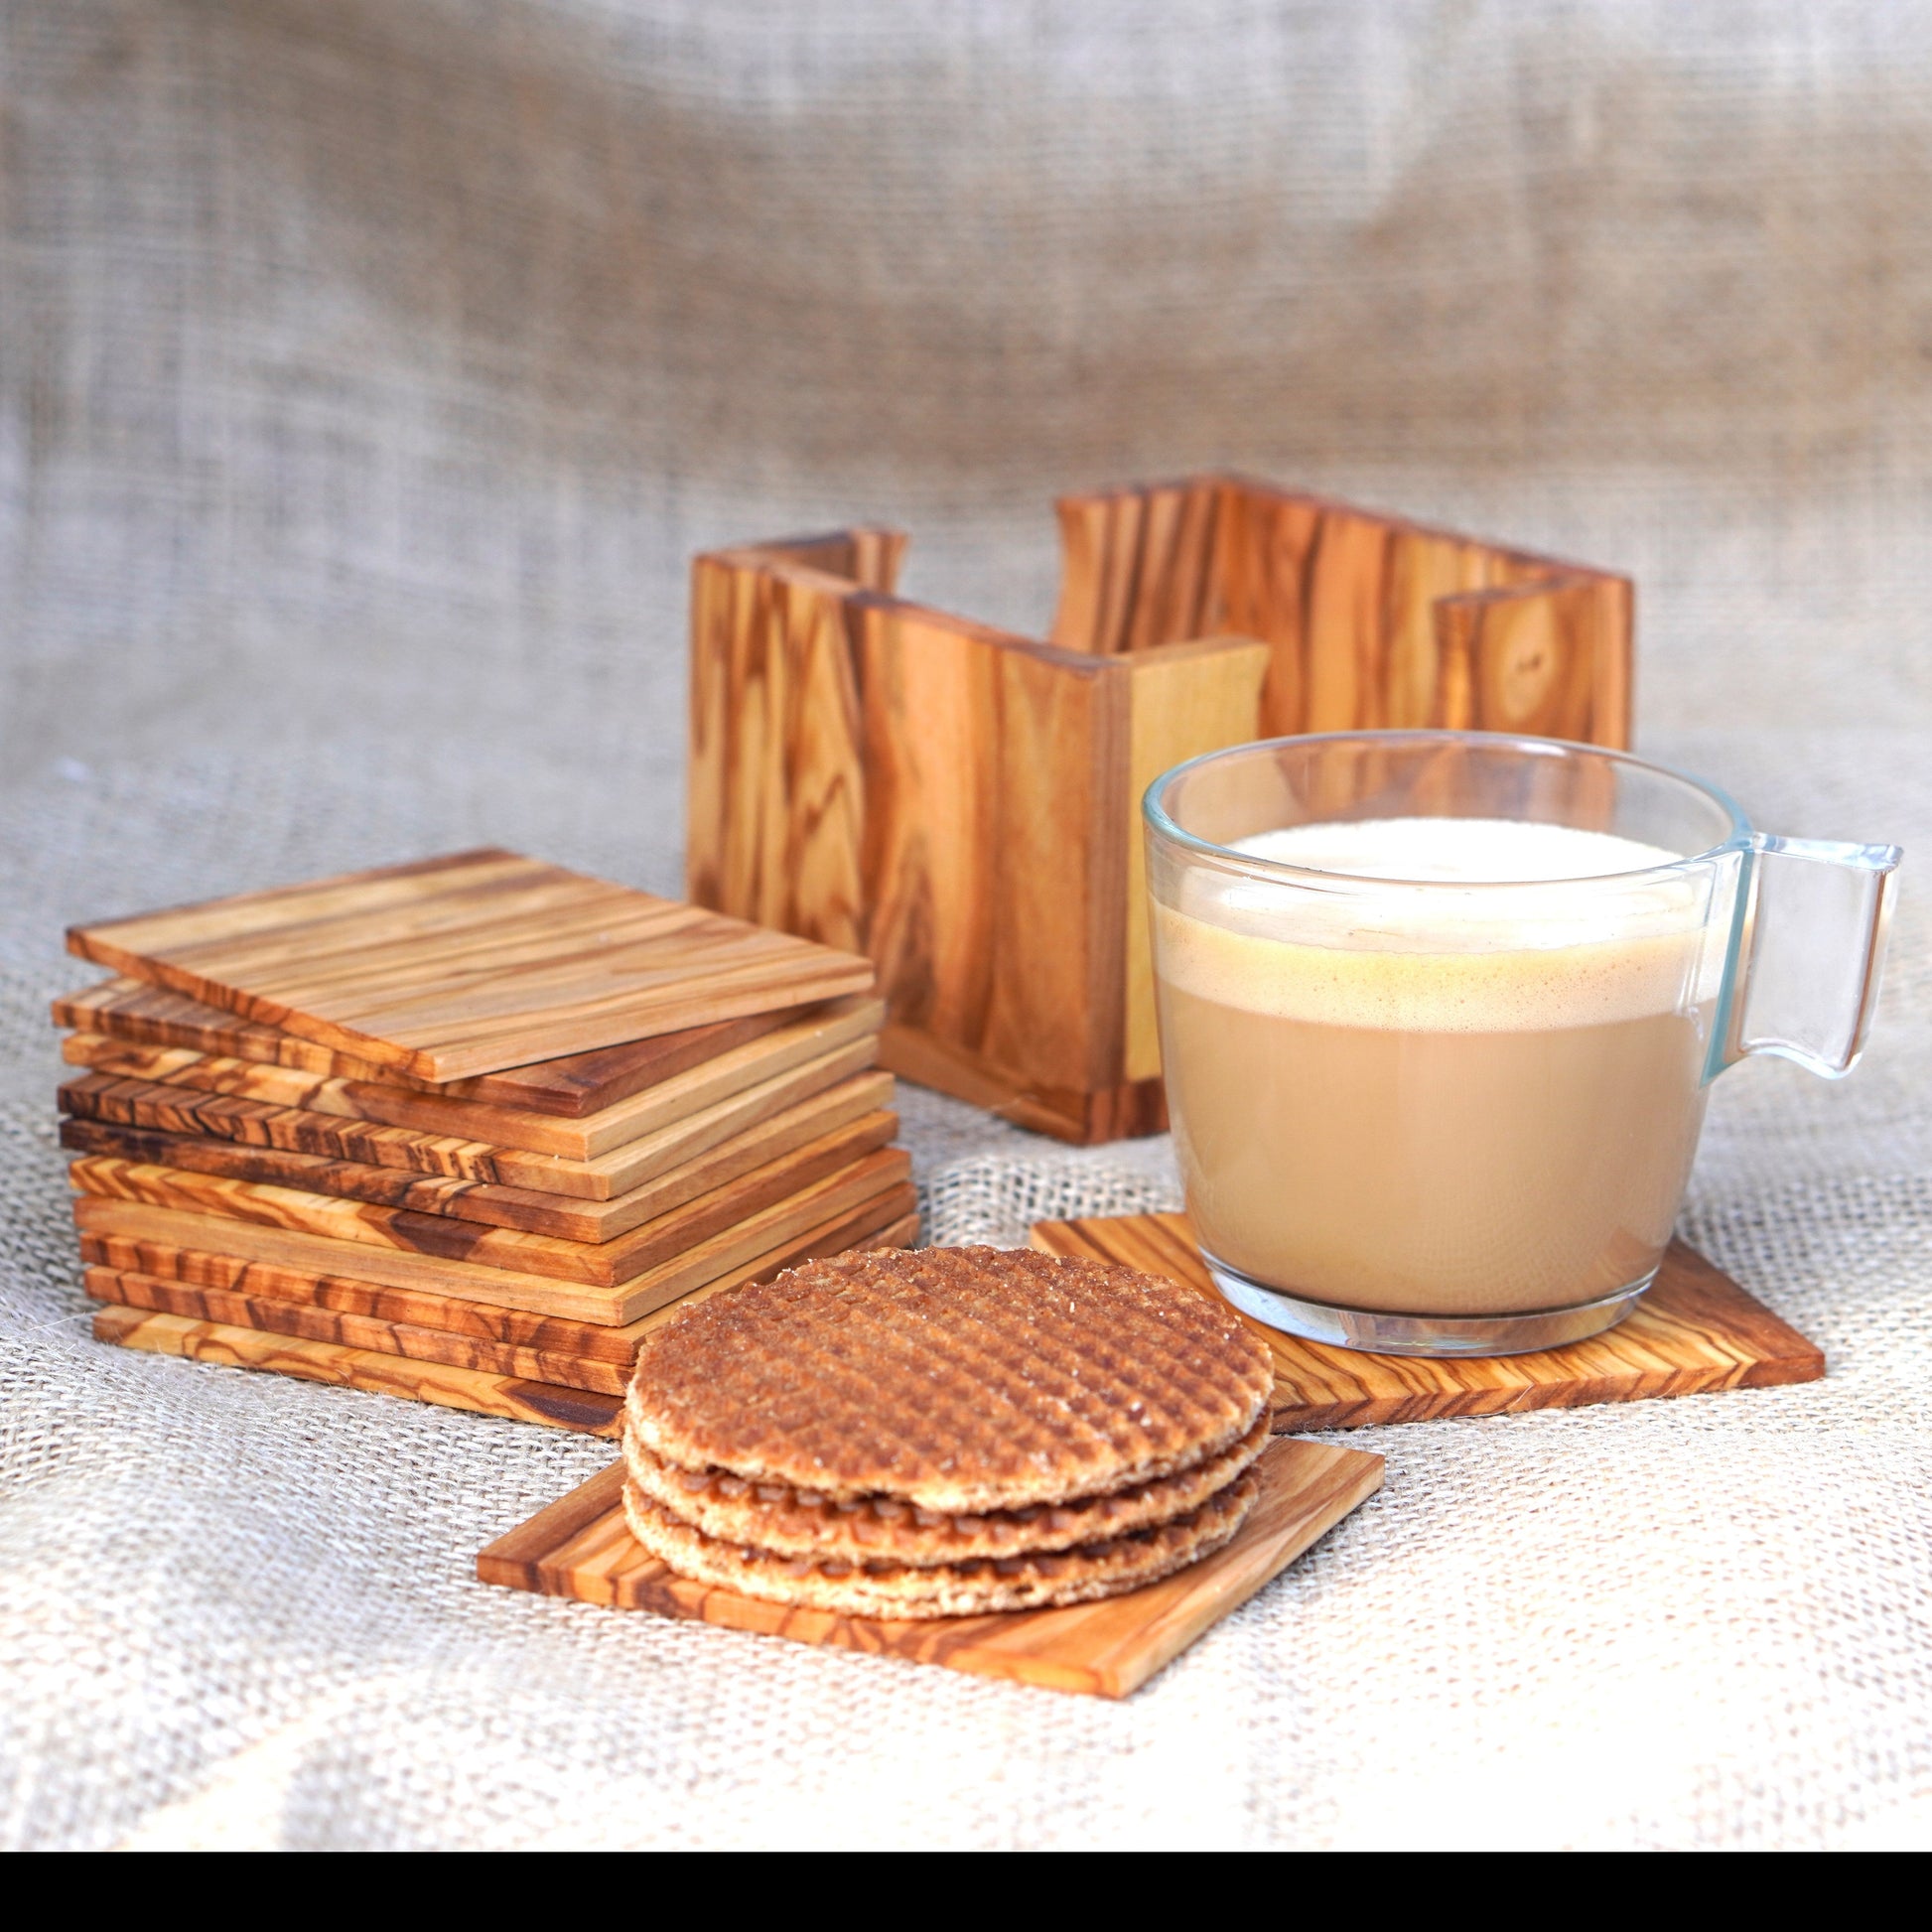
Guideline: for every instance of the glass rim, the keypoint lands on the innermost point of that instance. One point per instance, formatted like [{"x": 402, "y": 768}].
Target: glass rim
[{"x": 1161, "y": 822}]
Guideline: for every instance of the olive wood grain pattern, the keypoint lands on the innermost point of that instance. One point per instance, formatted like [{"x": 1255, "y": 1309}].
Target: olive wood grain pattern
[
  {"x": 579, "y": 1548},
  {"x": 962, "y": 803},
  {"x": 869, "y": 556},
  {"x": 490, "y": 1203},
  {"x": 577, "y": 1085},
  {"x": 1137, "y": 567},
  {"x": 776, "y": 715},
  {"x": 662, "y": 1126},
  {"x": 478, "y": 1390},
  {"x": 1183, "y": 699},
  {"x": 606, "y": 1264},
  {"x": 183, "y": 1106},
  {"x": 779, "y": 718},
  {"x": 546, "y": 1295},
  {"x": 468, "y": 964},
  {"x": 994, "y": 856},
  {"x": 289, "y": 1320},
  {"x": 310, "y": 1322},
  {"x": 1372, "y": 620},
  {"x": 885, "y": 1221},
  {"x": 1695, "y": 1331}
]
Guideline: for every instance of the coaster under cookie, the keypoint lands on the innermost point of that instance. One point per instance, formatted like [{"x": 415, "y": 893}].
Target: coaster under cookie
[{"x": 899, "y": 1590}]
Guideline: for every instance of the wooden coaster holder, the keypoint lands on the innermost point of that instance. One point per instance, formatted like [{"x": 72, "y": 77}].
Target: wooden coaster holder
[{"x": 961, "y": 803}]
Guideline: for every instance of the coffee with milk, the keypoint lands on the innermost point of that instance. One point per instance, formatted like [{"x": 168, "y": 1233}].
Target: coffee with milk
[{"x": 1481, "y": 1106}]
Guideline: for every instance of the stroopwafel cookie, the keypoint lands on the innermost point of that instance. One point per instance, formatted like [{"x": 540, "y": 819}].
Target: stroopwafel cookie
[
  {"x": 887, "y": 1590},
  {"x": 792, "y": 1522},
  {"x": 955, "y": 1380}
]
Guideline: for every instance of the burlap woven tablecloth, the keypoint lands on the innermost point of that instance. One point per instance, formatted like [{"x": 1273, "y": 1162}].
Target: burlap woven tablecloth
[{"x": 368, "y": 369}]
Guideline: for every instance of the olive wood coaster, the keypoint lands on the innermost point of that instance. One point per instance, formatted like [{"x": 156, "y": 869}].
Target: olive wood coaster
[
  {"x": 468, "y": 964},
  {"x": 361, "y": 1368},
  {"x": 205, "y": 1323},
  {"x": 211, "y": 1308},
  {"x": 155, "y": 1275},
  {"x": 544, "y": 1294},
  {"x": 578, "y": 1083},
  {"x": 580, "y": 1547},
  {"x": 530, "y": 1210},
  {"x": 1695, "y": 1331},
  {"x": 604, "y": 1264},
  {"x": 963, "y": 803},
  {"x": 665, "y": 1123}
]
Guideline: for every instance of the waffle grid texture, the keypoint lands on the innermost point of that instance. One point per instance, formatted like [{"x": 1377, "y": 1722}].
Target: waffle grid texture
[
  {"x": 956, "y": 1379},
  {"x": 368, "y": 373}
]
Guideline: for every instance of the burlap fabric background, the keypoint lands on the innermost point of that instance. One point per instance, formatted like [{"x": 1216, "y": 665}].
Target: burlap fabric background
[{"x": 370, "y": 370}]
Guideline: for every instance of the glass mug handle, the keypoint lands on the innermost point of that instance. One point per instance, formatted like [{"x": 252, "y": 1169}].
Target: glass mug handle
[{"x": 1814, "y": 926}]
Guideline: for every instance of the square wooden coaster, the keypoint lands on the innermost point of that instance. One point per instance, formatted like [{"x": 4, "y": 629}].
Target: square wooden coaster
[
  {"x": 133, "y": 1013},
  {"x": 629, "y": 1138},
  {"x": 479, "y": 1391},
  {"x": 485, "y": 1251},
  {"x": 426, "y": 1251},
  {"x": 680, "y": 1112},
  {"x": 470, "y": 964},
  {"x": 888, "y": 1220},
  {"x": 483, "y": 1199},
  {"x": 580, "y": 1547},
  {"x": 1695, "y": 1331}
]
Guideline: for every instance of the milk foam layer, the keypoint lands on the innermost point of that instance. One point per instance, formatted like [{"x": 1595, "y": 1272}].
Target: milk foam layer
[
  {"x": 1518, "y": 927},
  {"x": 1468, "y": 851}
]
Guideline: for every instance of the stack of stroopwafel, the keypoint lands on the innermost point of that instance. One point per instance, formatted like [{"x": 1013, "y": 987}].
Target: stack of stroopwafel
[
  {"x": 464, "y": 1129},
  {"x": 944, "y": 1433}
]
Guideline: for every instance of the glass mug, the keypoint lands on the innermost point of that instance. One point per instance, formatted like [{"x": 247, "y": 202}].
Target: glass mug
[{"x": 1437, "y": 1083}]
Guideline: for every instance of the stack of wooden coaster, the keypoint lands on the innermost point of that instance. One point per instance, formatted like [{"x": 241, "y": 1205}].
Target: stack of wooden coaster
[{"x": 464, "y": 1129}]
